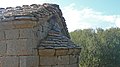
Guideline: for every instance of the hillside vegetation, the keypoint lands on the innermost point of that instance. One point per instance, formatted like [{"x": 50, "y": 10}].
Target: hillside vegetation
[{"x": 100, "y": 48}]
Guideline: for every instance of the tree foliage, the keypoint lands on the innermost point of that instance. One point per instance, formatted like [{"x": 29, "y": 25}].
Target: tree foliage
[{"x": 100, "y": 48}]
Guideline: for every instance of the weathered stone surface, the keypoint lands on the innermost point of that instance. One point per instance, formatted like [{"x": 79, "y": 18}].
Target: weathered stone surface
[
  {"x": 0, "y": 61},
  {"x": 24, "y": 24},
  {"x": 17, "y": 24},
  {"x": 61, "y": 52},
  {"x": 26, "y": 33},
  {"x": 10, "y": 61},
  {"x": 2, "y": 35},
  {"x": 29, "y": 61},
  {"x": 48, "y": 60},
  {"x": 63, "y": 60},
  {"x": 77, "y": 51},
  {"x": 6, "y": 25},
  {"x": 72, "y": 65},
  {"x": 3, "y": 48},
  {"x": 47, "y": 52},
  {"x": 45, "y": 66},
  {"x": 20, "y": 47},
  {"x": 12, "y": 34},
  {"x": 59, "y": 66},
  {"x": 70, "y": 51},
  {"x": 74, "y": 59}
]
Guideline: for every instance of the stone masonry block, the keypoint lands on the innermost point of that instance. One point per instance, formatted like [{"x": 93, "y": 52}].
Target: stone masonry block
[
  {"x": 72, "y": 65},
  {"x": 6, "y": 25},
  {"x": 63, "y": 60},
  {"x": 61, "y": 52},
  {"x": 0, "y": 61},
  {"x": 10, "y": 61},
  {"x": 48, "y": 60},
  {"x": 12, "y": 34},
  {"x": 2, "y": 35},
  {"x": 24, "y": 24},
  {"x": 26, "y": 33},
  {"x": 74, "y": 59},
  {"x": 2, "y": 48},
  {"x": 77, "y": 51},
  {"x": 20, "y": 47},
  {"x": 46, "y": 52},
  {"x": 46, "y": 66},
  {"x": 70, "y": 51},
  {"x": 29, "y": 61},
  {"x": 38, "y": 33},
  {"x": 59, "y": 66}
]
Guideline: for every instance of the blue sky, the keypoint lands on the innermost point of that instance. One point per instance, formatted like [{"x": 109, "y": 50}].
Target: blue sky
[{"x": 81, "y": 14}]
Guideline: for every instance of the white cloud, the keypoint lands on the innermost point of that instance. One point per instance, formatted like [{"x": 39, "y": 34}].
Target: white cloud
[
  {"x": 88, "y": 18},
  {"x": 72, "y": 17},
  {"x": 117, "y": 21}
]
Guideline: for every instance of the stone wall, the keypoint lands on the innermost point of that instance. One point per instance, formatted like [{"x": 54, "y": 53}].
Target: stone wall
[
  {"x": 36, "y": 38},
  {"x": 17, "y": 44},
  {"x": 59, "y": 57}
]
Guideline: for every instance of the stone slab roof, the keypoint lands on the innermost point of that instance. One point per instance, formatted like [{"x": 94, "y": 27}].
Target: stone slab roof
[
  {"x": 57, "y": 35},
  {"x": 56, "y": 40}
]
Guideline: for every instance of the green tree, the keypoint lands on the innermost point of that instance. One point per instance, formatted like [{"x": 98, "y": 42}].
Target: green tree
[{"x": 100, "y": 48}]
